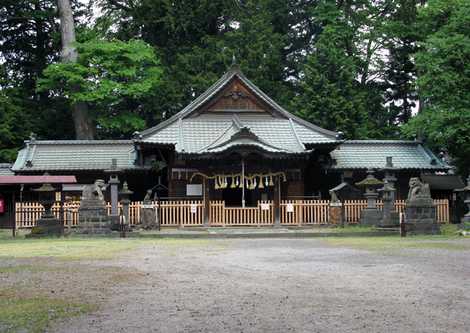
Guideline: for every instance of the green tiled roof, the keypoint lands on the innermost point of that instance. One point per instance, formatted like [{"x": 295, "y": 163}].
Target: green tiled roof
[
  {"x": 194, "y": 133},
  {"x": 75, "y": 155},
  {"x": 5, "y": 169},
  {"x": 364, "y": 154}
]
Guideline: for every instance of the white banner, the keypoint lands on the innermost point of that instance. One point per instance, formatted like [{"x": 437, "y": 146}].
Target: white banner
[
  {"x": 264, "y": 206},
  {"x": 290, "y": 208}
]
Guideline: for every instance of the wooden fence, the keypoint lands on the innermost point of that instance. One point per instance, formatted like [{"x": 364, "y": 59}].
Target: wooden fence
[
  {"x": 300, "y": 212},
  {"x": 191, "y": 212},
  {"x": 353, "y": 208},
  {"x": 262, "y": 214},
  {"x": 181, "y": 213},
  {"x": 27, "y": 213}
]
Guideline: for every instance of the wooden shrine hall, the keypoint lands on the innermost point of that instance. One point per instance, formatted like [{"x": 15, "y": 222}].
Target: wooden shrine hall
[{"x": 233, "y": 146}]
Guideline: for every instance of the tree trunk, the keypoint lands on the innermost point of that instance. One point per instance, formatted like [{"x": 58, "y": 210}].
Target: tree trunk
[{"x": 83, "y": 125}]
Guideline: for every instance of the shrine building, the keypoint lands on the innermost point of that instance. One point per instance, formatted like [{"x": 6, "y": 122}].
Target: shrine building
[{"x": 233, "y": 144}]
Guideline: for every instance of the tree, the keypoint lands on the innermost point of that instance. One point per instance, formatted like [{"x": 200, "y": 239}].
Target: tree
[
  {"x": 28, "y": 43},
  {"x": 196, "y": 41},
  {"x": 339, "y": 88},
  {"x": 443, "y": 65},
  {"x": 83, "y": 124},
  {"x": 110, "y": 77},
  {"x": 403, "y": 36}
]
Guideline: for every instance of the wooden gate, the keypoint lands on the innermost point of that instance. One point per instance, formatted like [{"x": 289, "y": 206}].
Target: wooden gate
[
  {"x": 262, "y": 214},
  {"x": 304, "y": 212},
  {"x": 181, "y": 213}
]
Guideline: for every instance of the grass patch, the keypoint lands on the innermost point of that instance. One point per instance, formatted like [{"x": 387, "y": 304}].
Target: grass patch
[
  {"x": 449, "y": 229},
  {"x": 75, "y": 248},
  {"x": 34, "y": 314},
  {"x": 12, "y": 269},
  {"x": 392, "y": 243},
  {"x": 352, "y": 229}
]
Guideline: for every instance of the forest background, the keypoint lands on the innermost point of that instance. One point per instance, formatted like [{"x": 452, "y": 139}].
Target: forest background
[{"x": 384, "y": 69}]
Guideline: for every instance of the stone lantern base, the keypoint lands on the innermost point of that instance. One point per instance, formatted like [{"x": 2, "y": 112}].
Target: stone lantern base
[
  {"x": 47, "y": 226},
  {"x": 421, "y": 216},
  {"x": 93, "y": 218},
  {"x": 371, "y": 217}
]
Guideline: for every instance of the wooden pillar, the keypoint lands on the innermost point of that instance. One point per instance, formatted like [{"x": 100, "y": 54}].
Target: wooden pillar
[
  {"x": 277, "y": 201},
  {"x": 206, "y": 201}
]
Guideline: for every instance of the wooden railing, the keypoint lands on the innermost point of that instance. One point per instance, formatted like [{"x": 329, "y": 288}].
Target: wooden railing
[
  {"x": 262, "y": 214},
  {"x": 181, "y": 213},
  {"x": 27, "y": 213},
  {"x": 191, "y": 212},
  {"x": 300, "y": 212},
  {"x": 353, "y": 208},
  {"x": 442, "y": 210}
]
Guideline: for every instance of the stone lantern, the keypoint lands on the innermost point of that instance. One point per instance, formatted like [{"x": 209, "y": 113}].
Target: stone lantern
[
  {"x": 48, "y": 224},
  {"x": 390, "y": 178},
  {"x": 125, "y": 195},
  {"x": 113, "y": 183},
  {"x": 389, "y": 216},
  {"x": 371, "y": 215}
]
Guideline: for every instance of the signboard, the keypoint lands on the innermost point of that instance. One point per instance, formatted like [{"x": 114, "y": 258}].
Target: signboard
[
  {"x": 193, "y": 208},
  {"x": 264, "y": 206},
  {"x": 290, "y": 208},
  {"x": 193, "y": 190},
  {"x": 147, "y": 206}
]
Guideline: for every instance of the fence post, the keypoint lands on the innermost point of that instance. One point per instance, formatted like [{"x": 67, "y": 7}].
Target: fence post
[
  {"x": 336, "y": 213},
  {"x": 276, "y": 201},
  {"x": 206, "y": 203}
]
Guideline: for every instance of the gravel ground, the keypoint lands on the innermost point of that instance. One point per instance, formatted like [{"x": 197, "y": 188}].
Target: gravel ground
[{"x": 284, "y": 285}]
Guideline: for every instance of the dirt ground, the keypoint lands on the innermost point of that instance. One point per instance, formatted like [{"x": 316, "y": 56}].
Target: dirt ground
[{"x": 283, "y": 285}]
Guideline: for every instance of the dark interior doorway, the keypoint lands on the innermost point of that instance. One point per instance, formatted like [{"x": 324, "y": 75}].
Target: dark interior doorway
[{"x": 233, "y": 197}]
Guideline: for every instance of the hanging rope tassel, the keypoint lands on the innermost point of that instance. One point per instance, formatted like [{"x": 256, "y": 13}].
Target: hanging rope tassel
[{"x": 271, "y": 183}]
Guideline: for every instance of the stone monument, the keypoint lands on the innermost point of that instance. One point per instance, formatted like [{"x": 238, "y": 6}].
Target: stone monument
[
  {"x": 148, "y": 213},
  {"x": 93, "y": 216},
  {"x": 371, "y": 215},
  {"x": 48, "y": 224},
  {"x": 336, "y": 209},
  {"x": 420, "y": 211},
  {"x": 389, "y": 216},
  {"x": 113, "y": 185},
  {"x": 125, "y": 195}
]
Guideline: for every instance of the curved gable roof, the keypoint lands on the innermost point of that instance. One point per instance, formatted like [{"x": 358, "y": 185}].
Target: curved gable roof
[{"x": 191, "y": 131}]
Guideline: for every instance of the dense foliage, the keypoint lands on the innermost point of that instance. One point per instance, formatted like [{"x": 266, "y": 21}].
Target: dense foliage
[
  {"x": 111, "y": 77},
  {"x": 372, "y": 69},
  {"x": 444, "y": 79}
]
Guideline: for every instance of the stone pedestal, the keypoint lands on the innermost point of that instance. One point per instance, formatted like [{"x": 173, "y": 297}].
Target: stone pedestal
[
  {"x": 47, "y": 226},
  {"x": 371, "y": 216},
  {"x": 93, "y": 218},
  {"x": 420, "y": 216},
  {"x": 148, "y": 217},
  {"x": 336, "y": 214}
]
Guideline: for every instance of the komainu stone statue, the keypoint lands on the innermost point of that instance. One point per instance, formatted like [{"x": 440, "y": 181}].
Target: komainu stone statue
[
  {"x": 420, "y": 211},
  {"x": 418, "y": 190},
  {"x": 94, "y": 192},
  {"x": 148, "y": 214},
  {"x": 93, "y": 216}
]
